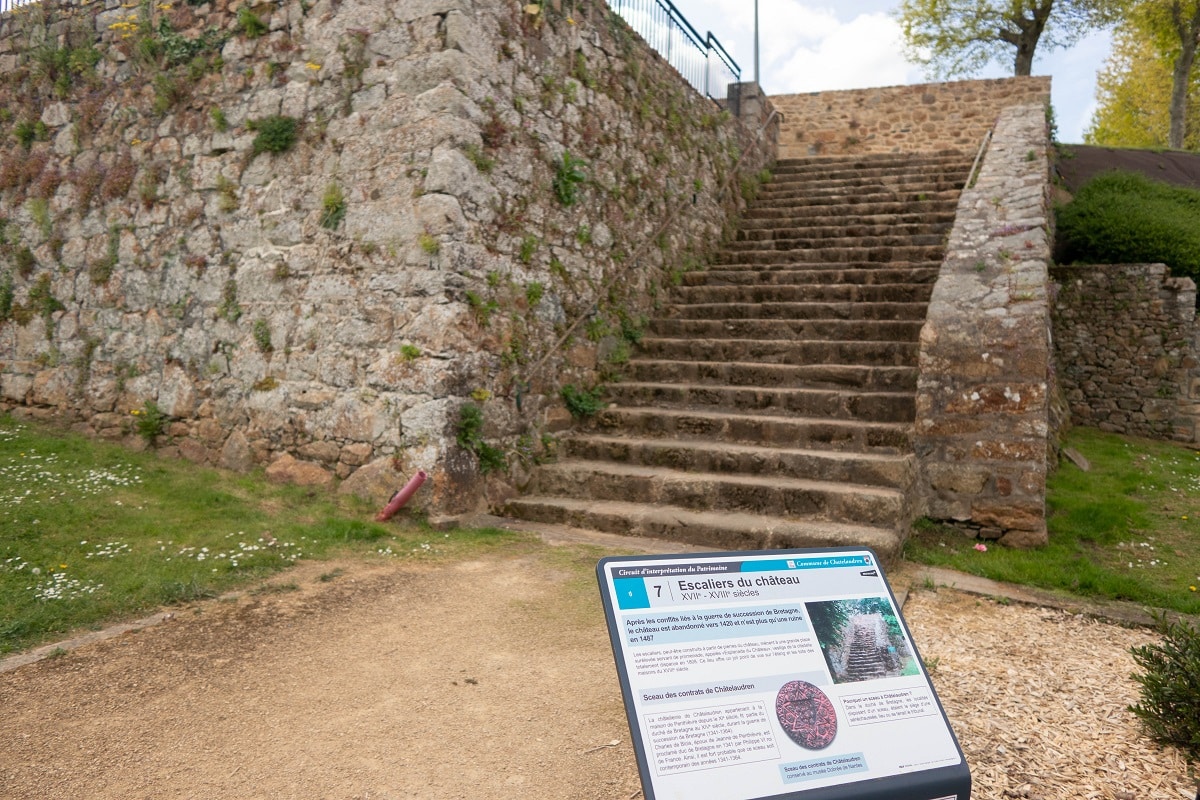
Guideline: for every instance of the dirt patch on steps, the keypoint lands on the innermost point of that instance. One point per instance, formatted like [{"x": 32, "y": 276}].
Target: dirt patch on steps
[{"x": 493, "y": 678}]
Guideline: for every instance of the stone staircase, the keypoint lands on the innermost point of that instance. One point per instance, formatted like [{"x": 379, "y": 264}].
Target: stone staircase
[{"x": 771, "y": 404}]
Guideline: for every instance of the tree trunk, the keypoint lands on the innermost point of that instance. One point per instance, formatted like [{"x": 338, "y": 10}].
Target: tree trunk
[
  {"x": 1029, "y": 24},
  {"x": 1188, "y": 30}
]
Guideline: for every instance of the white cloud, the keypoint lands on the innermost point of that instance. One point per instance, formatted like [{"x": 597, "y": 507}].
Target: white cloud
[
  {"x": 810, "y": 48},
  {"x": 861, "y": 53}
]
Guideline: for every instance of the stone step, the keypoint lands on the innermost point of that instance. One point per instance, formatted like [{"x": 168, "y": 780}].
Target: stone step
[
  {"x": 821, "y": 165},
  {"x": 818, "y": 329},
  {"x": 869, "y": 469},
  {"x": 808, "y": 243},
  {"x": 836, "y": 211},
  {"x": 881, "y": 180},
  {"x": 832, "y": 255},
  {"x": 899, "y": 407},
  {"x": 771, "y": 495},
  {"x": 789, "y": 192},
  {"x": 803, "y": 293},
  {"x": 780, "y": 351},
  {"x": 755, "y": 429},
  {"x": 752, "y": 225},
  {"x": 847, "y": 230},
  {"x": 864, "y": 202},
  {"x": 812, "y": 376},
  {"x": 885, "y": 274},
  {"x": 710, "y": 529},
  {"x": 801, "y": 311}
]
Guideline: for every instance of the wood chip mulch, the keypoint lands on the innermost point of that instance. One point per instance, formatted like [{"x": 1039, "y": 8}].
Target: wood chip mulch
[{"x": 1038, "y": 699}]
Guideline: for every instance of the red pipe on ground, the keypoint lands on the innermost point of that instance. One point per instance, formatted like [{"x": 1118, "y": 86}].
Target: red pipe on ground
[{"x": 401, "y": 497}]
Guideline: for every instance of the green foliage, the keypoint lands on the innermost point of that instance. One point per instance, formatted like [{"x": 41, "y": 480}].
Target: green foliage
[
  {"x": 529, "y": 246},
  {"x": 582, "y": 403},
  {"x": 481, "y": 309},
  {"x": 275, "y": 134},
  {"x": 470, "y": 437},
  {"x": 410, "y": 352},
  {"x": 1170, "y": 687},
  {"x": 958, "y": 38},
  {"x": 25, "y": 132},
  {"x": 250, "y": 24},
  {"x": 7, "y": 295},
  {"x": 220, "y": 122},
  {"x": 333, "y": 207},
  {"x": 262, "y": 335},
  {"x": 533, "y": 293},
  {"x": 227, "y": 195},
  {"x": 480, "y": 159},
  {"x": 1125, "y": 530},
  {"x": 229, "y": 309},
  {"x": 42, "y": 299},
  {"x": 150, "y": 421},
  {"x": 1126, "y": 218},
  {"x": 568, "y": 174},
  {"x": 25, "y": 261},
  {"x": 429, "y": 244}
]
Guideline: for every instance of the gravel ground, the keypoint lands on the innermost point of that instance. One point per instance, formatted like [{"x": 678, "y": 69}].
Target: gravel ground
[{"x": 493, "y": 678}]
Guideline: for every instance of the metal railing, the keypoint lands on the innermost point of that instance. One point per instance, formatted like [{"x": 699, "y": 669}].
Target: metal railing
[
  {"x": 9, "y": 5},
  {"x": 701, "y": 60}
]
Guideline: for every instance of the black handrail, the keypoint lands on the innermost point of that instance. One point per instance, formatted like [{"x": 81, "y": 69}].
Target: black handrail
[
  {"x": 9, "y": 5},
  {"x": 702, "y": 61}
]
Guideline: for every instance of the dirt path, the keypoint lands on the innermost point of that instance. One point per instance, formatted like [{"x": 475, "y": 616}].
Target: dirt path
[{"x": 493, "y": 678}]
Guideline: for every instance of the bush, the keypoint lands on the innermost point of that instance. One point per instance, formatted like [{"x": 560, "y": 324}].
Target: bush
[
  {"x": 276, "y": 134},
  {"x": 1170, "y": 688},
  {"x": 1126, "y": 218}
]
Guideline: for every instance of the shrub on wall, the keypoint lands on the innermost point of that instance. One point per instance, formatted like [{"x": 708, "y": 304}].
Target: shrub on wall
[{"x": 1126, "y": 218}]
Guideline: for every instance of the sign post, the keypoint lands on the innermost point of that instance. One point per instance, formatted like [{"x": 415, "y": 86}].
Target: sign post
[{"x": 780, "y": 674}]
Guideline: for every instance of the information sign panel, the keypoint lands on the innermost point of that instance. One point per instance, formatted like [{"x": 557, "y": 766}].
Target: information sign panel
[{"x": 780, "y": 674}]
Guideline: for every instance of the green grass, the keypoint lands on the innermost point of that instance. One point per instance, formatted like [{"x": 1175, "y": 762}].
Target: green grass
[
  {"x": 1126, "y": 530},
  {"x": 90, "y": 533}
]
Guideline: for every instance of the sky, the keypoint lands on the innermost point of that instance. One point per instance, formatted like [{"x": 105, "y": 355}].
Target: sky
[{"x": 813, "y": 46}]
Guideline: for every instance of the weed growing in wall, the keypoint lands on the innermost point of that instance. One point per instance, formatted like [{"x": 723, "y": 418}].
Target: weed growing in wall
[
  {"x": 250, "y": 24},
  {"x": 470, "y": 437},
  {"x": 429, "y": 244},
  {"x": 568, "y": 174},
  {"x": 150, "y": 421},
  {"x": 229, "y": 309},
  {"x": 333, "y": 207},
  {"x": 529, "y": 246},
  {"x": 219, "y": 121},
  {"x": 262, "y": 335},
  {"x": 276, "y": 134},
  {"x": 227, "y": 199},
  {"x": 582, "y": 403},
  {"x": 409, "y": 352},
  {"x": 7, "y": 296}
]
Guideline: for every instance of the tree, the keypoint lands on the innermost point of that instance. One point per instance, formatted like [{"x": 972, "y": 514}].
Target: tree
[
  {"x": 1133, "y": 94},
  {"x": 1177, "y": 23},
  {"x": 960, "y": 37},
  {"x": 1146, "y": 90}
]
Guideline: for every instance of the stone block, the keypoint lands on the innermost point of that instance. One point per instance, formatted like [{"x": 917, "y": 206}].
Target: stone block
[{"x": 287, "y": 469}]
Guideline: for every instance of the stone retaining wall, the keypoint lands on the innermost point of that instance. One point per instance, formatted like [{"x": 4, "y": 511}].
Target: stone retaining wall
[
  {"x": 467, "y": 181},
  {"x": 893, "y": 119},
  {"x": 1127, "y": 344},
  {"x": 983, "y": 427}
]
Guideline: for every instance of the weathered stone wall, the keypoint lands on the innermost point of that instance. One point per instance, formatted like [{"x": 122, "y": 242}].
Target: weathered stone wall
[
  {"x": 895, "y": 119},
  {"x": 983, "y": 425},
  {"x": 1127, "y": 344},
  {"x": 422, "y": 244}
]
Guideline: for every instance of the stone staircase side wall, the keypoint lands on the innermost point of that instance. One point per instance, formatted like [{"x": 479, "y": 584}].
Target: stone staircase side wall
[
  {"x": 983, "y": 415},
  {"x": 1127, "y": 345},
  {"x": 208, "y": 279},
  {"x": 901, "y": 119}
]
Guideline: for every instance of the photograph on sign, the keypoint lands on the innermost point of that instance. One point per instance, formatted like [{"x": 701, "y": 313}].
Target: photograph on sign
[{"x": 773, "y": 674}]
